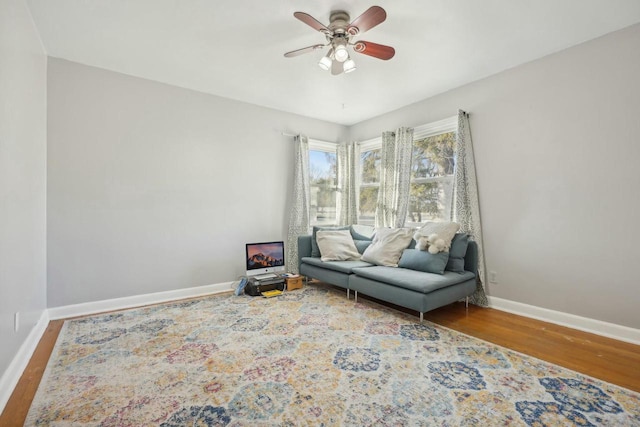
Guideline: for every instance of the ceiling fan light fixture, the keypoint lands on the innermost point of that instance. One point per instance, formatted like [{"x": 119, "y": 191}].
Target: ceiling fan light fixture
[
  {"x": 349, "y": 65},
  {"x": 325, "y": 63},
  {"x": 338, "y": 36},
  {"x": 341, "y": 54}
]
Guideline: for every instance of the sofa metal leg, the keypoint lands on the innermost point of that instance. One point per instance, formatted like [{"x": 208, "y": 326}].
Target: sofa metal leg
[
  {"x": 355, "y": 293},
  {"x": 347, "y": 293},
  {"x": 421, "y": 317},
  {"x": 466, "y": 302}
]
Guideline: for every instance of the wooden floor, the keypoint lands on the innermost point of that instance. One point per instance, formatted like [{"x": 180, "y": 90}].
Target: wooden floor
[{"x": 604, "y": 358}]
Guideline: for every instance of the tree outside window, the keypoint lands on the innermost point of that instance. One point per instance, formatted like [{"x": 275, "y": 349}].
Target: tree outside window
[
  {"x": 322, "y": 185},
  {"x": 432, "y": 178},
  {"x": 432, "y": 168},
  {"x": 369, "y": 185}
]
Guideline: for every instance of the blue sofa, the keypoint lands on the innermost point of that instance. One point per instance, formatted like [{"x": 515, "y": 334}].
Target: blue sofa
[{"x": 413, "y": 289}]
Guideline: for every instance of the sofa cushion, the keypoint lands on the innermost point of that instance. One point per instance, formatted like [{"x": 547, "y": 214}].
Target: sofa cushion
[
  {"x": 362, "y": 232},
  {"x": 457, "y": 252},
  {"x": 411, "y": 279},
  {"x": 387, "y": 246},
  {"x": 415, "y": 259},
  {"x": 341, "y": 266},
  {"x": 315, "y": 251},
  {"x": 362, "y": 245},
  {"x": 336, "y": 245}
]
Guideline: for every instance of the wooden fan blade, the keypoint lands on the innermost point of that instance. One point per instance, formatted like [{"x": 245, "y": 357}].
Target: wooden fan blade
[
  {"x": 312, "y": 22},
  {"x": 376, "y": 50},
  {"x": 369, "y": 19},
  {"x": 337, "y": 67},
  {"x": 303, "y": 50}
]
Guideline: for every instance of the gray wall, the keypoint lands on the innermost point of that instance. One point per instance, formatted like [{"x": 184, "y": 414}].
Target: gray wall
[
  {"x": 155, "y": 188},
  {"x": 557, "y": 153},
  {"x": 23, "y": 150}
]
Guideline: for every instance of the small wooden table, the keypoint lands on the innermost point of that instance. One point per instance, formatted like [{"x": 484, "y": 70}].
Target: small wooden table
[{"x": 293, "y": 282}]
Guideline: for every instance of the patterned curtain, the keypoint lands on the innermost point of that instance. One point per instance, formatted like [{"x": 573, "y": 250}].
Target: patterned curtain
[
  {"x": 299, "y": 219},
  {"x": 395, "y": 178},
  {"x": 466, "y": 204},
  {"x": 347, "y": 203}
]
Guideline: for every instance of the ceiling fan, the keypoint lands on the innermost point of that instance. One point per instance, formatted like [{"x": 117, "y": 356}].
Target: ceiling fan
[{"x": 339, "y": 33}]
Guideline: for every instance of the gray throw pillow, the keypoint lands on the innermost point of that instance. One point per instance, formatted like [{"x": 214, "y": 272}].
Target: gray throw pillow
[
  {"x": 362, "y": 232},
  {"x": 362, "y": 245},
  {"x": 457, "y": 252},
  {"x": 415, "y": 259},
  {"x": 315, "y": 251}
]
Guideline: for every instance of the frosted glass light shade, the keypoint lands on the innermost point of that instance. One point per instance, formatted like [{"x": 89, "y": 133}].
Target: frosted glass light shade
[
  {"x": 349, "y": 66},
  {"x": 341, "y": 53},
  {"x": 325, "y": 63}
]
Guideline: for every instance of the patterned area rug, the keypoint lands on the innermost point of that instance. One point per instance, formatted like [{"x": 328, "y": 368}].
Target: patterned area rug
[{"x": 308, "y": 357}]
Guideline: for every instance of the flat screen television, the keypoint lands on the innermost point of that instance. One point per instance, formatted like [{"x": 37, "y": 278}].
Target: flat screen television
[{"x": 264, "y": 258}]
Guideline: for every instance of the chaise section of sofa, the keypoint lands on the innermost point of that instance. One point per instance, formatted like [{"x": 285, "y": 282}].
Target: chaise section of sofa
[
  {"x": 334, "y": 272},
  {"x": 407, "y": 287},
  {"x": 417, "y": 290}
]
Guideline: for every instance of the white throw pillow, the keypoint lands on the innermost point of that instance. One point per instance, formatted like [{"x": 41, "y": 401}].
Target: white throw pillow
[
  {"x": 336, "y": 245},
  {"x": 387, "y": 246},
  {"x": 445, "y": 231}
]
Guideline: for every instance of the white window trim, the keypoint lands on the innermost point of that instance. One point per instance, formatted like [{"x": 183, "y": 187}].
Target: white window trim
[
  {"x": 449, "y": 124},
  {"x": 370, "y": 184},
  {"x": 317, "y": 145},
  {"x": 445, "y": 178},
  {"x": 371, "y": 144}
]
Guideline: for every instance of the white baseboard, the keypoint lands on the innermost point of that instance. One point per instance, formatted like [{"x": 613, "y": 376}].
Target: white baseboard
[
  {"x": 12, "y": 375},
  {"x": 87, "y": 308},
  {"x": 14, "y": 371},
  {"x": 610, "y": 330}
]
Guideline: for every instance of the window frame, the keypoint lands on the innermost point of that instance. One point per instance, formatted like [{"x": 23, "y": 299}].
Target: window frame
[
  {"x": 449, "y": 124},
  {"x": 439, "y": 127},
  {"x": 368, "y": 145},
  {"x": 327, "y": 147}
]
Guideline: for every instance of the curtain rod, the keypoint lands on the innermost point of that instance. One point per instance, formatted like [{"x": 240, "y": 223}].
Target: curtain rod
[{"x": 293, "y": 135}]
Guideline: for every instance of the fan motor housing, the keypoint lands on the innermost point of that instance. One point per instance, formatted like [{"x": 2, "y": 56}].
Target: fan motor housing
[{"x": 339, "y": 21}]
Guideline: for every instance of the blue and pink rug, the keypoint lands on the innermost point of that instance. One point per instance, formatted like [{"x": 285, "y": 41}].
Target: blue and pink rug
[{"x": 309, "y": 357}]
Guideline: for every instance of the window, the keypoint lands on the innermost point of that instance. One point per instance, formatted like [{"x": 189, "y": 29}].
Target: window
[
  {"x": 369, "y": 170},
  {"x": 322, "y": 182},
  {"x": 431, "y": 178},
  {"x": 432, "y": 168}
]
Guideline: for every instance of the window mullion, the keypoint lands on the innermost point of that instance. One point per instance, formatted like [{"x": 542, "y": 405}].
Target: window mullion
[{"x": 445, "y": 178}]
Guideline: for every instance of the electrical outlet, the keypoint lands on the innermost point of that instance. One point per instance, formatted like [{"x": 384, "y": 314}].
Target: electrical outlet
[
  {"x": 16, "y": 321},
  {"x": 493, "y": 277}
]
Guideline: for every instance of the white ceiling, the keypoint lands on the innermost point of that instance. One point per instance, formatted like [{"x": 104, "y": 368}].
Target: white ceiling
[{"x": 234, "y": 48}]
